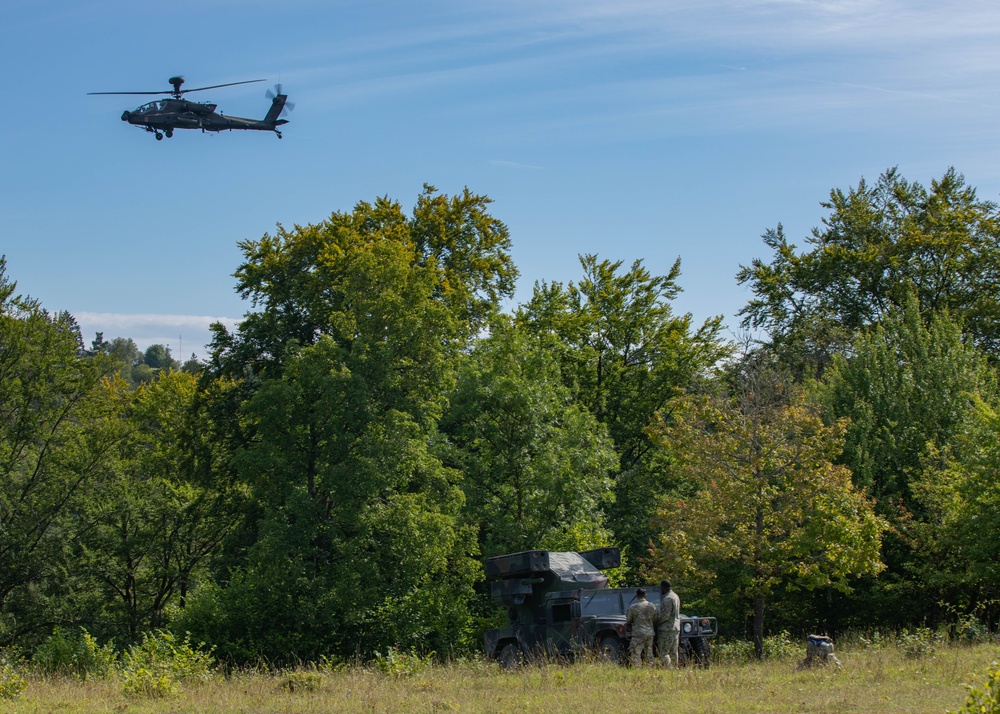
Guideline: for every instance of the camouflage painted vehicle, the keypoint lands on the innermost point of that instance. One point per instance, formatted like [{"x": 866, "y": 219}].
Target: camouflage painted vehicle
[{"x": 560, "y": 605}]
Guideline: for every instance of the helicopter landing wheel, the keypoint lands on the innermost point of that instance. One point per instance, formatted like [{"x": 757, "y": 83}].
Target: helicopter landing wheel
[
  {"x": 169, "y": 133},
  {"x": 159, "y": 136},
  {"x": 278, "y": 133}
]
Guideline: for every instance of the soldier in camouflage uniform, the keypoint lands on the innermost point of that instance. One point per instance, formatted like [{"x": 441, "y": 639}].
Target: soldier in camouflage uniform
[
  {"x": 669, "y": 625},
  {"x": 642, "y": 617}
]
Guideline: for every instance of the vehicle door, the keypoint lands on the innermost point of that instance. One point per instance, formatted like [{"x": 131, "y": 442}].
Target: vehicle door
[{"x": 562, "y": 617}]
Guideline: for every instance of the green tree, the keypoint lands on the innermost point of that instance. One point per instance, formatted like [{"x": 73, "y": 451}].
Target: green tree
[
  {"x": 771, "y": 509},
  {"x": 537, "y": 464},
  {"x": 960, "y": 495},
  {"x": 909, "y": 389},
  {"x": 303, "y": 279},
  {"x": 59, "y": 424},
  {"x": 880, "y": 243},
  {"x": 625, "y": 354},
  {"x": 158, "y": 357},
  {"x": 153, "y": 524},
  {"x": 338, "y": 382}
]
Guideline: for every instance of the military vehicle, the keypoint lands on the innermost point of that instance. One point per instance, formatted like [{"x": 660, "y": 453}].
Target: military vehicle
[{"x": 560, "y": 605}]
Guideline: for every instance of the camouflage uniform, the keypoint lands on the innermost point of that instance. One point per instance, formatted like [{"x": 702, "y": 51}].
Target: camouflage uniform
[
  {"x": 669, "y": 628},
  {"x": 642, "y": 616}
]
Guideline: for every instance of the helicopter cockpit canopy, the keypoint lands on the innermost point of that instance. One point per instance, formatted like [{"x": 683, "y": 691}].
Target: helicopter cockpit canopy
[{"x": 152, "y": 107}]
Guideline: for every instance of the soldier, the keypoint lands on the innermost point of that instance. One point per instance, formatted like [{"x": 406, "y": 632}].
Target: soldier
[
  {"x": 642, "y": 617},
  {"x": 669, "y": 625}
]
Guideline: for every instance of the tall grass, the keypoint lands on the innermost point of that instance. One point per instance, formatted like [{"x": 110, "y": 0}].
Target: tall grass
[{"x": 872, "y": 679}]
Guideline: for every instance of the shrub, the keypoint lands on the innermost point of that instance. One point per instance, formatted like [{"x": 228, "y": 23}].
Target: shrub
[
  {"x": 76, "y": 654},
  {"x": 985, "y": 699},
  {"x": 969, "y": 629},
  {"x": 778, "y": 646},
  {"x": 11, "y": 681},
  {"x": 921, "y": 642},
  {"x": 733, "y": 651},
  {"x": 302, "y": 681},
  {"x": 781, "y": 646},
  {"x": 154, "y": 667},
  {"x": 397, "y": 663}
]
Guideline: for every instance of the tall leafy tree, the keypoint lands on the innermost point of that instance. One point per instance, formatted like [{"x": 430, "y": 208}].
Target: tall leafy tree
[
  {"x": 538, "y": 465},
  {"x": 771, "y": 510},
  {"x": 303, "y": 279},
  {"x": 880, "y": 242},
  {"x": 625, "y": 353},
  {"x": 908, "y": 388},
  {"x": 153, "y": 524},
  {"x": 59, "y": 424},
  {"x": 960, "y": 536},
  {"x": 340, "y": 379}
]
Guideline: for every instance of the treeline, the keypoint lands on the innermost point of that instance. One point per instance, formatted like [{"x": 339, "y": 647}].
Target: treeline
[{"x": 330, "y": 480}]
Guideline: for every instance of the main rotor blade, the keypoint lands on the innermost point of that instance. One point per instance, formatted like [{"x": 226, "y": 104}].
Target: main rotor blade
[
  {"x": 165, "y": 91},
  {"x": 216, "y": 86}
]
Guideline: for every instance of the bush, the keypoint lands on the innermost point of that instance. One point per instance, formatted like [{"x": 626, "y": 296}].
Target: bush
[
  {"x": 985, "y": 699},
  {"x": 397, "y": 663},
  {"x": 778, "y": 646},
  {"x": 155, "y": 666},
  {"x": 11, "y": 681},
  {"x": 971, "y": 630},
  {"x": 921, "y": 642},
  {"x": 302, "y": 681},
  {"x": 733, "y": 651},
  {"x": 781, "y": 646},
  {"x": 76, "y": 654}
]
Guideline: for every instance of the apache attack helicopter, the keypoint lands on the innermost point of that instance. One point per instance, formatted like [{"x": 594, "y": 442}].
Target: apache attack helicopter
[{"x": 164, "y": 115}]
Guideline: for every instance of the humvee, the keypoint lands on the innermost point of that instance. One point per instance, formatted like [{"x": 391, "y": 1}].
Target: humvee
[{"x": 559, "y": 605}]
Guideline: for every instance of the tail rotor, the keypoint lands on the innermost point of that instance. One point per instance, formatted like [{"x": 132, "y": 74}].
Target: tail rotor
[{"x": 276, "y": 92}]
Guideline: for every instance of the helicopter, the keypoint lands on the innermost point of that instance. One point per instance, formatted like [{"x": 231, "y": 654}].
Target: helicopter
[{"x": 162, "y": 116}]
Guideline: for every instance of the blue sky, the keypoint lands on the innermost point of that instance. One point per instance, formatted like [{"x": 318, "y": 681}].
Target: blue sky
[{"x": 630, "y": 129}]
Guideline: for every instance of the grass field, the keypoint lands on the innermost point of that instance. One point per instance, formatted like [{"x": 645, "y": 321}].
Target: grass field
[{"x": 868, "y": 681}]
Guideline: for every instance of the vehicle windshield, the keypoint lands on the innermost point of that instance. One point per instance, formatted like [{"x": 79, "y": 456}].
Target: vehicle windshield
[
  {"x": 601, "y": 602},
  {"x": 613, "y": 602}
]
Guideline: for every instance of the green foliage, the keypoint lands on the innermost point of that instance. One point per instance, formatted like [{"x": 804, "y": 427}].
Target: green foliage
[
  {"x": 781, "y": 646},
  {"x": 302, "y": 681},
  {"x": 74, "y": 653},
  {"x": 624, "y": 353},
  {"x": 12, "y": 683},
  {"x": 59, "y": 425},
  {"x": 984, "y": 698},
  {"x": 158, "y": 357},
  {"x": 395, "y": 662},
  {"x": 961, "y": 495},
  {"x": 969, "y": 629},
  {"x": 536, "y": 463},
  {"x": 918, "y": 642},
  {"x": 776, "y": 646},
  {"x": 771, "y": 510},
  {"x": 910, "y": 382},
  {"x": 880, "y": 243},
  {"x": 338, "y": 381},
  {"x": 913, "y": 389},
  {"x": 157, "y": 665}
]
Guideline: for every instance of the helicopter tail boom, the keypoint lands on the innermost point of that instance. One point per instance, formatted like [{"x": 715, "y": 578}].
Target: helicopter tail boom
[{"x": 277, "y": 104}]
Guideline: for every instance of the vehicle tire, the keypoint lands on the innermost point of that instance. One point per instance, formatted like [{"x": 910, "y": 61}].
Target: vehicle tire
[
  {"x": 702, "y": 652},
  {"x": 510, "y": 656},
  {"x": 611, "y": 649}
]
